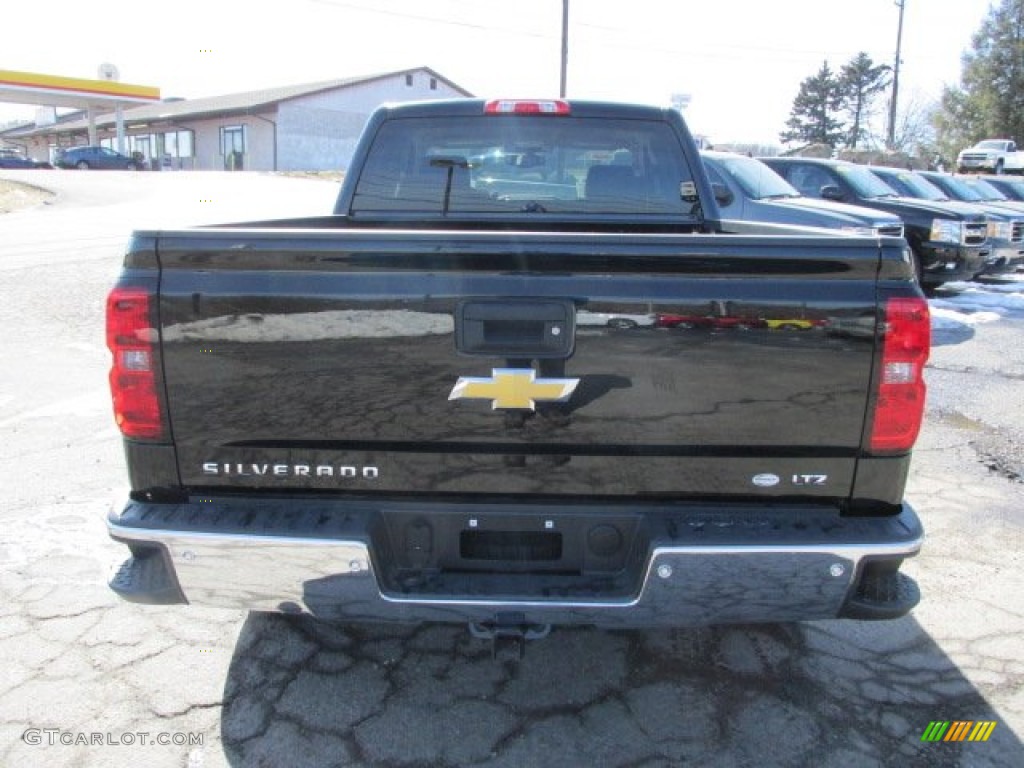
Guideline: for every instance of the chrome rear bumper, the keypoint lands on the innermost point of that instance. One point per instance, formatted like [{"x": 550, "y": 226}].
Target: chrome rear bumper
[{"x": 694, "y": 566}]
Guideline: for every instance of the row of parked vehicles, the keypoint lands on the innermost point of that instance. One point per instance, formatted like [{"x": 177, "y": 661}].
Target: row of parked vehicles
[
  {"x": 12, "y": 159},
  {"x": 958, "y": 227},
  {"x": 82, "y": 158}
]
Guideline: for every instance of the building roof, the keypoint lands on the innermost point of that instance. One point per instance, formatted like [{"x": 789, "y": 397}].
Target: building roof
[
  {"x": 74, "y": 92},
  {"x": 232, "y": 104}
]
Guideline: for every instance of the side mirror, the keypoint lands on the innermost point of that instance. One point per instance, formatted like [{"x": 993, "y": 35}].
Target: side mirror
[
  {"x": 832, "y": 192},
  {"x": 722, "y": 193}
]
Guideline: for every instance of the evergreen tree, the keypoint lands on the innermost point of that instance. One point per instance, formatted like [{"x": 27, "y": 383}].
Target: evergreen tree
[
  {"x": 861, "y": 80},
  {"x": 989, "y": 103},
  {"x": 811, "y": 120},
  {"x": 959, "y": 122}
]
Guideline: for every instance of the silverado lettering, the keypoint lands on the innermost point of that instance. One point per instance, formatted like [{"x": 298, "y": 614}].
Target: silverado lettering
[
  {"x": 527, "y": 376},
  {"x": 299, "y": 470}
]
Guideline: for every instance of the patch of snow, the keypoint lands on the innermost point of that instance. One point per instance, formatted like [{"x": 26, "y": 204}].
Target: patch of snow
[
  {"x": 975, "y": 303},
  {"x": 948, "y": 319}
]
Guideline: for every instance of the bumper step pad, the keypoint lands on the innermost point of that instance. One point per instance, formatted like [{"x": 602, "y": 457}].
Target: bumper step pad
[
  {"x": 147, "y": 579},
  {"x": 882, "y": 594}
]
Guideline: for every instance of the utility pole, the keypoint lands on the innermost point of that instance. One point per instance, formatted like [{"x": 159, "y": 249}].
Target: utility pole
[
  {"x": 896, "y": 78},
  {"x": 565, "y": 46}
]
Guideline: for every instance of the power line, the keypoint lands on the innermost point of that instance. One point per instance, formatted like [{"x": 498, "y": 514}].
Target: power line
[
  {"x": 742, "y": 52},
  {"x": 431, "y": 19}
]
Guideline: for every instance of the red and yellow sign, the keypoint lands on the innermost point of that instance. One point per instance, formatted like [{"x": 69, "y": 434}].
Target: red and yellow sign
[{"x": 29, "y": 84}]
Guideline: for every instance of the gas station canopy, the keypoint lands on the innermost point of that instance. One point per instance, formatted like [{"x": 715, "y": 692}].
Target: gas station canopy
[
  {"x": 92, "y": 96},
  {"x": 72, "y": 92}
]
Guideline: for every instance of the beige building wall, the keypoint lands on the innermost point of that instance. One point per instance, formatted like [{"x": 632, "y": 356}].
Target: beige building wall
[
  {"x": 259, "y": 154},
  {"x": 320, "y": 132}
]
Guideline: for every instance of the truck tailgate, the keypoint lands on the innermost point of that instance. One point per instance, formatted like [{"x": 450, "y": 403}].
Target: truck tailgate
[{"x": 397, "y": 361}]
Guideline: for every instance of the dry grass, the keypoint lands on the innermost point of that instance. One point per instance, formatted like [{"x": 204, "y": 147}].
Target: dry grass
[{"x": 14, "y": 195}]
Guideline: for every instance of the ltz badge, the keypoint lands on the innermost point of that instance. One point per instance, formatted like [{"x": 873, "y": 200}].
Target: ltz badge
[{"x": 513, "y": 388}]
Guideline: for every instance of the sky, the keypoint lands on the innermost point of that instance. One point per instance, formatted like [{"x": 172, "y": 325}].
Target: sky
[{"x": 739, "y": 61}]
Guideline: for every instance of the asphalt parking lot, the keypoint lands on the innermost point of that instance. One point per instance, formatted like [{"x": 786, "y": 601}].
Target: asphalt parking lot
[{"x": 90, "y": 681}]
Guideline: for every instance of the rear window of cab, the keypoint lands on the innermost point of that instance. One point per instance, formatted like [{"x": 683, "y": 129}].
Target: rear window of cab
[{"x": 513, "y": 164}]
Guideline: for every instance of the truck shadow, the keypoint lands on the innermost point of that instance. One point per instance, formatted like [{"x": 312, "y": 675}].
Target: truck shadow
[
  {"x": 305, "y": 692},
  {"x": 951, "y": 334},
  {"x": 957, "y": 309}
]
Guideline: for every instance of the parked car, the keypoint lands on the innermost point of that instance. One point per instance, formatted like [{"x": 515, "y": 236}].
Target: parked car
[
  {"x": 1006, "y": 222},
  {"x": 949, "y": 241},
  {"x": 718, "y": 315},
  {"x": 723, "y": 316},
  {"x": 15, "y": 160},
  {"x": 95, "y": 158},
  {"x": 974, "y": 190},
  {"x": 614, "y": 319},
  {"x": 687, "y": 322},
  {"x": 749, "y": 190},
  {"x": 1011, "y": 187},
  {"x": 995, "y": 155}
]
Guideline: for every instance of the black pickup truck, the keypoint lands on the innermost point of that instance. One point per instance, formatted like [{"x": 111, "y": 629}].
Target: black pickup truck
[
  {"x": 398, "y": 412},
  {"x": 1005, "y": 218},
  {"x": 949, "y": 240}
]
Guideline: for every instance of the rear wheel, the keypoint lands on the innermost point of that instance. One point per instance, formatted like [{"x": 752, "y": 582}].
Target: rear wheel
[{"x": 82, "y": 165}]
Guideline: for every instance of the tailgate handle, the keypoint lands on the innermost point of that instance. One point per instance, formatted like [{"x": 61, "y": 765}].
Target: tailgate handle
[{"x": 516, "y": 328}]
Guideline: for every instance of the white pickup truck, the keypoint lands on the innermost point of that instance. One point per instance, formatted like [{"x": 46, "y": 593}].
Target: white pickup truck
[{"x": 994, "y": 155}]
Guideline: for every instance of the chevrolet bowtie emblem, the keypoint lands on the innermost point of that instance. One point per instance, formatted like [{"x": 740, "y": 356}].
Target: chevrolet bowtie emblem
[{"x": 513, "y": 388}]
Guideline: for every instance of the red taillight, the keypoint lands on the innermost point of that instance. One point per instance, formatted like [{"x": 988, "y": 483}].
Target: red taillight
[
  {"x": 130, "y": 336},
  {"x": 526, "y": 107},
  {"x": 899, "y": 405}
]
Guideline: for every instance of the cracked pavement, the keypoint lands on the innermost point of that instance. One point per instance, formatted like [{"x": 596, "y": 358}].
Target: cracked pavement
[{"x": 271, "y": 690}]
